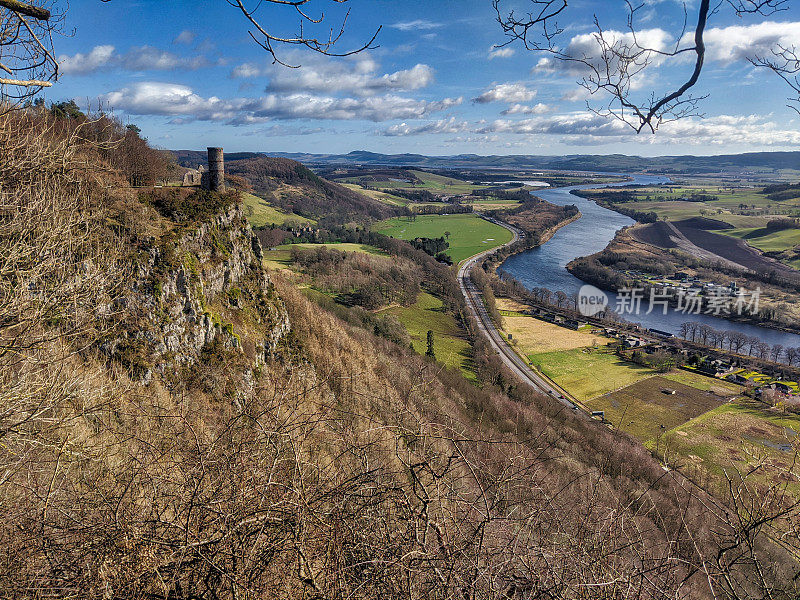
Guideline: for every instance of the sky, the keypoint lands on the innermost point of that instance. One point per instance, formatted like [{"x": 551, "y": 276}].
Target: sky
[{"x": 190, "y": 75}]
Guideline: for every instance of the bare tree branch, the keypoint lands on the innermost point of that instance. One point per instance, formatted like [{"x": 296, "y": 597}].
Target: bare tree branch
[
  {"x": 29, "y": 10},
  {"x": 616, "y": 67},
  {"x": 267, "y": 39},
  {"x": 785, "y": 63}
]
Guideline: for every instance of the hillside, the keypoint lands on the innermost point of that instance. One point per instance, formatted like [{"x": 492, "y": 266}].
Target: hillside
[
  {"x": 293, "y": 188},
  {"x": 179, "y": 422}
]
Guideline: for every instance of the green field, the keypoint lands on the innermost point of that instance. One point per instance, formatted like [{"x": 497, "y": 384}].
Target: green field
[
  {"x": 441, "y": 183},
  {"x": 748, "y": 210},
  {"x": 450, "y": 346},
  {"x": 259, "y": 213},
  {"x": 429, "y": 181},
  {"x": 469, "y": 234},
  {"x": 765, "y": 240},
  {"x": 586, "y": 373},
  {"x": 744, "y": 208},
  {"x": 494, "y": 204}
]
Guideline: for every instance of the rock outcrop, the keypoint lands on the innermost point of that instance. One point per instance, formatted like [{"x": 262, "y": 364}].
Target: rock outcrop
[{"x": 198, "y": 286}]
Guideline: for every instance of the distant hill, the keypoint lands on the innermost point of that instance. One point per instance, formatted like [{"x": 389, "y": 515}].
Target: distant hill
[
  {"x": 580, "y": 162},
  {"x": 294, "y": 188},
  {"x": 603, "y": 163}
]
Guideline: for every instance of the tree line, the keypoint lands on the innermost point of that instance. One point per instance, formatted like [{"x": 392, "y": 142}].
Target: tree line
[{"x": 739, "y": 343}]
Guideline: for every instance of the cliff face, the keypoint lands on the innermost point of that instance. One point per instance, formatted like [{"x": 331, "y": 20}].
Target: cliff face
[{"x": 197, "y": 285}]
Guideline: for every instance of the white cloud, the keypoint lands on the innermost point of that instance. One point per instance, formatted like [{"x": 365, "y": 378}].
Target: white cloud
[
  {"x": 544, "y": 65},
  {"x": 581, "y": 128},
  {"x": 506, "y": 92},
  {"x": 580, "y": 94},
  {"x": 359, "y": 77},
  {"x": 417, "y": 25},
  {"x": 141, "y": 58},
  {"x": 283, "y": 131},
  {"x": 506, "y": 52},
  {"x": 450, "y": 125},
  {"x": 740, "y": 42},
  {"x": 565, "y": 124},
  {"x": 185, "y": 37},
  {"x": 248, "y": 70},
  {"x": 147, "y": 58},
  {"x": 169, "y": 99},
  {"x": 524, "y": 109},
  {"x": 80, "y": 63},
  {"x": 724, "y": 45}
]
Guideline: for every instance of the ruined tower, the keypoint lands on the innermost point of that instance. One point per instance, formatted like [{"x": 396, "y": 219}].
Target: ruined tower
[{"x": 214, "y": 180}]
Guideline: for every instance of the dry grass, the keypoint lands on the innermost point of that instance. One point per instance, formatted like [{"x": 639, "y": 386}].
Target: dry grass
[
  {"x": 534, "y": 336},
  {"x": 642, "y": 408},
  {"x": 741, "y": 435}
]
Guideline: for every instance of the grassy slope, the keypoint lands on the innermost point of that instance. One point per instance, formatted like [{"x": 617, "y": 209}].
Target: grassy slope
[
  {"x": 377, "y": 195},
  {"x": 427, "y": 314},
  {"x": 259, "y": 212},
  {"x": 764, "y": 240},
  {"x": 469, "y": 234},
  {"x": 450, "y": 346}
]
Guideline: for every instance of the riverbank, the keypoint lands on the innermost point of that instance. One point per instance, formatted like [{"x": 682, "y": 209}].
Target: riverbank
[
  {"x": 544, "y": 267},
  {"x": 538, "y": 220},
  {"x": 629, "y": 263}
]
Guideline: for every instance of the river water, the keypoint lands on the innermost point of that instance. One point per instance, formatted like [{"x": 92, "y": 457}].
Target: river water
[{"x": 545, "y": 266}]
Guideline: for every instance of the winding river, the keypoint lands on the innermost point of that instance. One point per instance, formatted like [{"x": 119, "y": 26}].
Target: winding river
[{"x": 545, "y": 266}]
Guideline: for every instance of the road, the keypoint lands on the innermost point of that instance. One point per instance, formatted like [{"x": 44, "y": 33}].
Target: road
[{"x": 507, "y": 354}]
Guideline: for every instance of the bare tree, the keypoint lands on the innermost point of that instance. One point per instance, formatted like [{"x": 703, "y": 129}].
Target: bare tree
[
  {"x": 615, "y": 68},
  {"x": 791, "y": 354},
  {"x": 703, "y": 333},
  {"x": 561, "y": 299},
  {"x": 27, "y": 61},
  {"x": 736, "y": 341}
]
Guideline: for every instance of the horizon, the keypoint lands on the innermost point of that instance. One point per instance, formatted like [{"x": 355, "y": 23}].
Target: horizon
[{"x": 236, "y": 151}]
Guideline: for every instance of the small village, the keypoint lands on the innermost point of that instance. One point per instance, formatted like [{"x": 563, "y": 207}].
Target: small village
[{"x": 773, "y": 384}]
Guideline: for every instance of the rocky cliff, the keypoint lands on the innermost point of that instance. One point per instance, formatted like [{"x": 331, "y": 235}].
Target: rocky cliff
[{"x": 198, "y": 284}]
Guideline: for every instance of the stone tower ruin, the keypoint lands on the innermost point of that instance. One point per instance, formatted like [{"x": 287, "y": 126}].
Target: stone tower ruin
[{"x": 214, "y": 179}]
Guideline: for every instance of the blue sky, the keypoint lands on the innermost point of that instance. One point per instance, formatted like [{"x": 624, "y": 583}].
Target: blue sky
[{"x": 190, "y": 76}]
